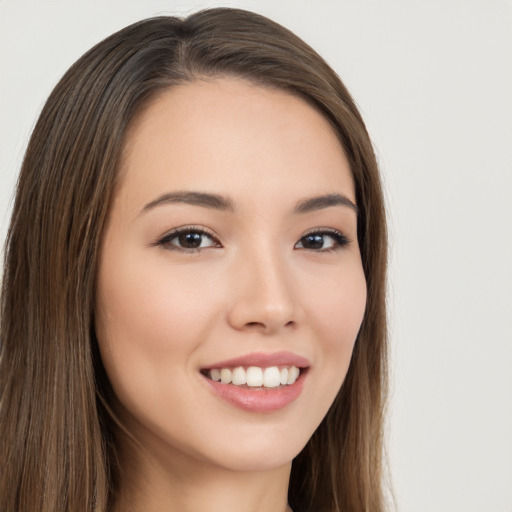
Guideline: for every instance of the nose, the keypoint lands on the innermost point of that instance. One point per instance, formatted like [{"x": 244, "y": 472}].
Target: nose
[{"x": 263, "y": 298}]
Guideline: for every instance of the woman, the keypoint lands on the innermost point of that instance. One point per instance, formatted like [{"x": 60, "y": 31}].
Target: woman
[{"x": 193, "y": 293}]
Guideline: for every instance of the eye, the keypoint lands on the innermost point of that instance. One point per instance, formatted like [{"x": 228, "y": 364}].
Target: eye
[
  {"x": 322, "y": 240},
  {"x": 188, "y": 239}
]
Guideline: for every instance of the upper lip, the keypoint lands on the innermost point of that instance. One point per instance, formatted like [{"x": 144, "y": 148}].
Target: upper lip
[{"x": 263, "y": 360}]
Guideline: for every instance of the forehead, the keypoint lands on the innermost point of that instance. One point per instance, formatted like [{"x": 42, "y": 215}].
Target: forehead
[{"x": 230, "y": 136}]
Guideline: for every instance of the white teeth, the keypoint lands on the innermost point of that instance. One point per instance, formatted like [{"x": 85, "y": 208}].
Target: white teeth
[
  {"x": 271, "y": 377},
  {"x": 255, "y": 377},
  {"x": 225, "y": 376},
  {"x": 293, "y": 373},
  {"x": 239, "y": 377}
]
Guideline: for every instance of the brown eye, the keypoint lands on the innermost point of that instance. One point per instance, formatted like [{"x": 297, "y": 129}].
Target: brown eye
[
  {"x": 313, "y": 242},
  {"x": 188, "y": 240},
  {"x": 322, "y": 241}
]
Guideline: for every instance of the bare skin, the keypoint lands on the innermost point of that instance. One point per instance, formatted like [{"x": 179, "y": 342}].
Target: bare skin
[{"x": 275, "y": 268}]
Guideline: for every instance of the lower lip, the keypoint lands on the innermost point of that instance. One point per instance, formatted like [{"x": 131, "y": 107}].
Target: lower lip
[{"x": 258, "y": 399}]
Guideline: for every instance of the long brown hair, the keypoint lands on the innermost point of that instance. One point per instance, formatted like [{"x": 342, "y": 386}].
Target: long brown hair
[{"x": 57, "y": 448}]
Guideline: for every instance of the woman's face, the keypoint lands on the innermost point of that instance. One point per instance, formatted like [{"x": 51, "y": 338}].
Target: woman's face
[{"x": 231, "y": 252}]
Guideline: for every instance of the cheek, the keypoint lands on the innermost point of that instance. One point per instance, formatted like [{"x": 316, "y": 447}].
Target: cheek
[
  {"x": 338, "y": 305},
  {"x": 336, "y": 313},
  {"x": 150, "y": 319},
  {"x": 154, "y": 298}
]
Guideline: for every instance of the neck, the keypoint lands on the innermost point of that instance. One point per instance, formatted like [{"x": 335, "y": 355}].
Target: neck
[{"x": 160, "y": 481}]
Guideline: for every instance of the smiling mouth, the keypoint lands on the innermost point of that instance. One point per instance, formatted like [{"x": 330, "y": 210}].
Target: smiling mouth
[{"x": 255, "y": 377}]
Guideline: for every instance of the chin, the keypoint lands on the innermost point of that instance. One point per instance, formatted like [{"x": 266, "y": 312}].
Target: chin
[
  {"x": 260, "y": 459},
  {"x": 261, "y": 448}
]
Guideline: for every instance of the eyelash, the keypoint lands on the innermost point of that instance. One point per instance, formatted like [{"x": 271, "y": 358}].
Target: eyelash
[
  {"x": 340, "y": 240},
  {"x": 175, "y": 233}
]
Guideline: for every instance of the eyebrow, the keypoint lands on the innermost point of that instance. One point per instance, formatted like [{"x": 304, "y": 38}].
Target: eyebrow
[
  {"x": 320, "y": 202},
  {"x": 218, "y": 202},
  {"x": 203, "y": 199}
]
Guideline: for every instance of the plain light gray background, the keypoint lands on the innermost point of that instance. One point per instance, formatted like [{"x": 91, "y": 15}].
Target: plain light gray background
[{"x": 433, "y": 81}]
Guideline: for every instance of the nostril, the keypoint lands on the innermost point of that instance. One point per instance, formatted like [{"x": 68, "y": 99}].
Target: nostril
[
  {"x": 266, "y": 327},
  {"x": 254, "y": 324}
]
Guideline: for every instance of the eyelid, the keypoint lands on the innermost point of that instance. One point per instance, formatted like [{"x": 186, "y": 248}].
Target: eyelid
[
  {"x": 340, "y": 238},
  {"x": 324, "y": 230},
  {"x": 173, "y": 233}
]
